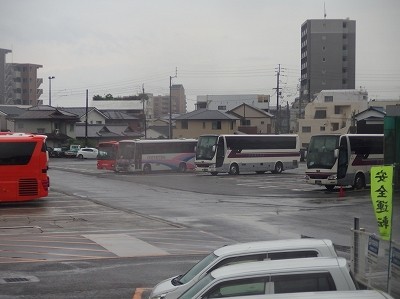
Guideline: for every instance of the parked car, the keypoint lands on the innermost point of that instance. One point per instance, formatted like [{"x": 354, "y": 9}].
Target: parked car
[
  {"x": 245, "y": 252},
  {"x": 71, "y": 153},
  {"x": 257, "y": 279},
  {"x": 358, "y": 294},
  {"x": 87, "y": 153},
  {"x": 57, "y": 152}
]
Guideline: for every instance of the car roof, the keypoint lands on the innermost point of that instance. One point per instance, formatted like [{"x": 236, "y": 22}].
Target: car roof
[
  {"x": 365, "y": 294},
  {"x": 279, "y": 266},
  {"x": 289, "y": 244}
]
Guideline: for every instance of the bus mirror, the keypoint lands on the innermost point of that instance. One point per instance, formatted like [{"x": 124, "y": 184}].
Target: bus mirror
[{"x": 336, "y": 153}]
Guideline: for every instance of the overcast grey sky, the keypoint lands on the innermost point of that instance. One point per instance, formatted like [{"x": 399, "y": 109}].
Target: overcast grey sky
[{"x": 218, "y": 46}]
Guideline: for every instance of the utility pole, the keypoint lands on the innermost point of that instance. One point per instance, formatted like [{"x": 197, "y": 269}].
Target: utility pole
[
  {"x": 144, "y": 97},
  {"x": 86, "y": 118},
  {"x": 278, "y": 93},
  {"x": 170, "y": 103}
]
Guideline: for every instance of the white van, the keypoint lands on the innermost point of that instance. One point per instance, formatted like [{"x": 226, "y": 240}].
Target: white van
[
  {"x": 245, "y": 252},
  {"x": 361, "y": 294},
  {"x": 257, "y": 279}
]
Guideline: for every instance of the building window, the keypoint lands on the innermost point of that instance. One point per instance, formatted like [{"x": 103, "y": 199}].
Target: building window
[
  {"x": 335, "y": 126},
  {"x": 245, "y": 122},
  {"x": 320, "y": 114},
  {"x": 204, "y": 124},
  {"x": 344, "y": 58},
  {"x": 344, "y": 47},
  {"x": 337, "y": 110},
  {"x": 221, "y": 107},
  {"x": 344, "y": 35},
  {"x": 344, "y": 81},
  {"x": 262, "y": 122},
  {"x": 71, "y": 127},
  {"x": 306, "y": 129},
  {"x": 98, "y": 122},
  {"x": 322, "y": 128},
  {"x": 328, "y": 99},
  {"x": 216, "y": 125},
  {"x": 344, "y": 70},
  {"x": 232, "y": 125},
  {"x": 344, "y": 24},
  {"x": 323, "y": 59},
  {"x": 185, "y": 124}
]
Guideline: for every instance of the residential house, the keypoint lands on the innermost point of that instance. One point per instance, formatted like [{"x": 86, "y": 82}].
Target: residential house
[
  {"x": 370, "y": 121},
  {"x": 91, "y": 135},
  {"x": 58, "y": 125},
  {"x": 203, "y": 121},
  {"x": 7, "y": 112},
  {"x": 253, "y": 120},
  {"x": 94, "y": 116}
]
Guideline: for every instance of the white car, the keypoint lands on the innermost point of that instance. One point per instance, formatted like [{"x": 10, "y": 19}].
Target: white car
[
  {"x": 241, "y": 253},
  {"x": 256, "y": 280},
  {"x": 87, "y": 153}
]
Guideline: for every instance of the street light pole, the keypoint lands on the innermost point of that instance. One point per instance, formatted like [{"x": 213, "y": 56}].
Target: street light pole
[{"x": 50, "y": 78}]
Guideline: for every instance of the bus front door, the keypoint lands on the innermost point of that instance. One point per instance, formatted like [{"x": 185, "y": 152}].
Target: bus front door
[{"x": 220, "y": 153}]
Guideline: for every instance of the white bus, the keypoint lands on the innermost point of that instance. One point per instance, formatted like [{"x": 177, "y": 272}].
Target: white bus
[
  {"x": 343, "y": 160},
  {"x": 155, "y": 155},
  {"x": 247, "y": 153}
]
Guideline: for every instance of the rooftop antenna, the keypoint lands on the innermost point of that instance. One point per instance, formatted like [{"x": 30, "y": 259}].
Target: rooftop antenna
[{"x": 324, "y": 11}]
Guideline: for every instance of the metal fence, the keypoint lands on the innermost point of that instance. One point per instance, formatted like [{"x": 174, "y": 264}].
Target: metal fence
[{"x": 374, "y": 262}]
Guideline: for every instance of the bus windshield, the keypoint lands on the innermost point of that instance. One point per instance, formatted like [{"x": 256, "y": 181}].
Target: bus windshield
[
  {"x": 205, "y": 150},
  {"x": 107, "y": 152},
  {"x": 321, "y": 152}
]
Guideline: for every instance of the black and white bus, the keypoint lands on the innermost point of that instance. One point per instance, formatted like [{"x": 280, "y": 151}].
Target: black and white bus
[{"x": 247, "y": 153}]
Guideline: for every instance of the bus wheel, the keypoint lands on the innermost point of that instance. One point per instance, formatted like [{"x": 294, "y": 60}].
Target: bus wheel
[
  {"x": 278, "y": 168},
  {"x": 182, "y": 167},
  {"x": 330, "y": 187},
  {"x": 147, "y": 168},
  {"x": 359, "y": 181},
  {"x": 234, "y": 169}
]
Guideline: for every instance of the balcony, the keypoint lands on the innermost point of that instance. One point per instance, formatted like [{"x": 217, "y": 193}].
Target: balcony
[{"x": 39, "y": 81}]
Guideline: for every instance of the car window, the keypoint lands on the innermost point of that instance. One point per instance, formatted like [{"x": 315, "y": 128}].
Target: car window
[
  {"x": 304, "y": 282},
  {"x": 239, "y": 287},
  {"x": 239, "y": 259},
  {"x": 292, "y": 254},
  {"x": 196, "y": 269}
]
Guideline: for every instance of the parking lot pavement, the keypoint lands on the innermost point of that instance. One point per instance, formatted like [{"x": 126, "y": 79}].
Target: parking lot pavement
[{"x": 63, "y": 227}]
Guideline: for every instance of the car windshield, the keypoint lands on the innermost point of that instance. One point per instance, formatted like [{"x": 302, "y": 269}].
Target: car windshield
[
  {"x": 201, "y": 284},
  {"x": 196, "y": 269}
]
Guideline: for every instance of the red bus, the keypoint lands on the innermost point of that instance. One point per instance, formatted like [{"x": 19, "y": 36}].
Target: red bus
[
  {"x": 23, "y": 167},
  {"x": 106, "y": 158}
]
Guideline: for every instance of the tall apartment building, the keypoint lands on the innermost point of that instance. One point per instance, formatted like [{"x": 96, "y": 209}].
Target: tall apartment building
[
  {"x": 19, "y": 84},
  {"x": 328, "y": 56},
  {"x": 160, "y": 104}
]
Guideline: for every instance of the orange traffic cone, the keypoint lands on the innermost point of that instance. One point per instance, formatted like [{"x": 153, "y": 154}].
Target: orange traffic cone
[{"x": 341, "y": 192}]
